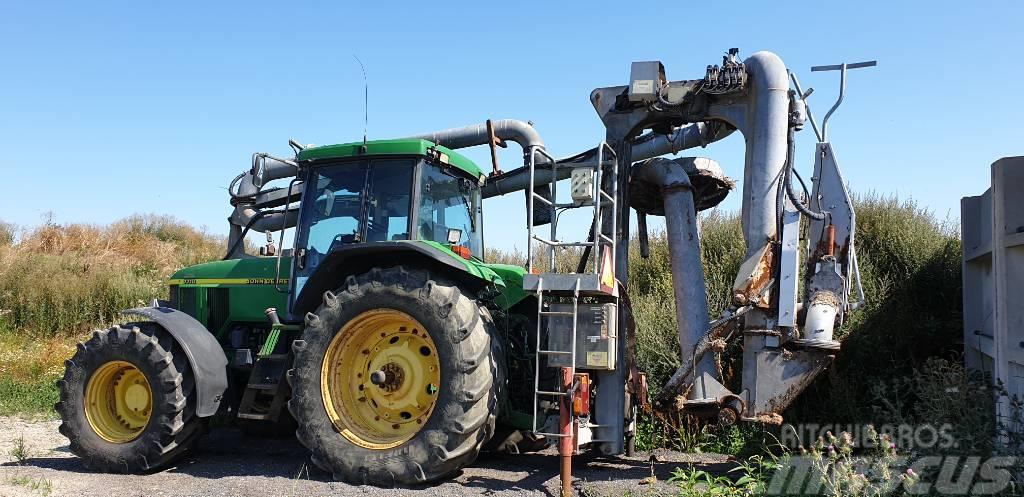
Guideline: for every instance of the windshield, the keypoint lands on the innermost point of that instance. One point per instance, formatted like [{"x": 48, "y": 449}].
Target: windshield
[{"x": 448, "y": 202}]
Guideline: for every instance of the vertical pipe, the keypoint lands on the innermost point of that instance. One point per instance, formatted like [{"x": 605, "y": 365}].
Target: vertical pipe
[
  {"x": 565, "y": 443},
  {"x": 688, "y": 285},
  {"x": 766, "y": 147}
]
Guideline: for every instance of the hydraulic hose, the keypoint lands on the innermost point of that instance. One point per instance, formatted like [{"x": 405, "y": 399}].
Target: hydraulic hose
[
  {"x": 788, "y": 182},
  {"x": 245, "y": 231}
]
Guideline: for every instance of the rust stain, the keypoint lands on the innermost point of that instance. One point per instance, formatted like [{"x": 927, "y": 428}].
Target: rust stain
[{"x": 752, "y": 290}]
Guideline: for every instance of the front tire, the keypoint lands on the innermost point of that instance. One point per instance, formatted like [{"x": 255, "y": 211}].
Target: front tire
[
  {"x": 369, "y": 404},
  {"x": 127, "y": 400}
]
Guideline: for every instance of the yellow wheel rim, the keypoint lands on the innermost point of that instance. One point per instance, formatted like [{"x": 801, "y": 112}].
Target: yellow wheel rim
[
  {"x": 118, "y": 401},
  {"x": 380, "y": 379}
]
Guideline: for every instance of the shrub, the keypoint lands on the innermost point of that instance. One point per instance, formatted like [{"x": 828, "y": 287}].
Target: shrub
[{"x": 64, "y": 279}]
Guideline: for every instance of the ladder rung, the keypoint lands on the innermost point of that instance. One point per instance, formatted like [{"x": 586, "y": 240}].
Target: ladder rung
[
  {"x": 562, "y": 244},
  {"x": 606, "y": 195},
  {"x": 263, "y": 386},
  {"x": 555, "y": 394},
  {"x": 541, "y": 198},
  {"x": 556, "y": 313},
  {"x": 254, "y": 416},
  {"x": 554, "y": 435},
  {"x": 606, "y": 238},
  {"x": 554, "y": 352}
]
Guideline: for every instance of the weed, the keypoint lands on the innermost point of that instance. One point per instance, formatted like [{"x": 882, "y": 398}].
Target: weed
[
  {"x": 20, "y": 452},
  {"x": 41, "y": 485}
]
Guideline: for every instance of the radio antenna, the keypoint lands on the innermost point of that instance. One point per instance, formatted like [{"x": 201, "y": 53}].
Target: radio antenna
[{"x": 366, "y": 98}]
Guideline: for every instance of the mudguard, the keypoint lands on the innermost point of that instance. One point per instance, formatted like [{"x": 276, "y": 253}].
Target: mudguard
[
  {"x": 360, "y": 257},
  {"x": 204, "y": 353}
]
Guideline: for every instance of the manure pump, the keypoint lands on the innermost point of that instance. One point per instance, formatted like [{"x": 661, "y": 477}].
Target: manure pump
[{"x": 396, "y": 353}]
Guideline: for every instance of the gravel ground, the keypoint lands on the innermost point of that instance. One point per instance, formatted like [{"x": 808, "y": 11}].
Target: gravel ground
[{"x": 226, "y": 462}]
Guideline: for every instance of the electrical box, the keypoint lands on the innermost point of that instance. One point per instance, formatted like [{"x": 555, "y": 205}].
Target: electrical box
[
  {"x": 582, "y": 186},
  {"x": 645, "y": 81},
  {"x": 596, "y": 336}
]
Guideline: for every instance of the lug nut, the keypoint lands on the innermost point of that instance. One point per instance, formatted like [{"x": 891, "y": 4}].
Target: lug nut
[{"x": 378, "y": 378}]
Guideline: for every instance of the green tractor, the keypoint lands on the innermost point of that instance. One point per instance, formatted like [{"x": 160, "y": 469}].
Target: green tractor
[{"x": 389, "y": 360}]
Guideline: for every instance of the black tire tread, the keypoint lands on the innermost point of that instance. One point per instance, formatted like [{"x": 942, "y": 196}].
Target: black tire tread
[
  {"x": 463, "y": 435},
  {"x": 173, "y": 428}
]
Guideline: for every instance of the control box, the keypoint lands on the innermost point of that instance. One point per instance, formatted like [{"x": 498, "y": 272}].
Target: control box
[
  {"x": 645, "y": 81},
  {"x": 596, "y": 336}
]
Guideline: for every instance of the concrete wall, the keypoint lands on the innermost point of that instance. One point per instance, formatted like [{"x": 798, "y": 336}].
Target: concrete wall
[{"x": 992, "y": 229}]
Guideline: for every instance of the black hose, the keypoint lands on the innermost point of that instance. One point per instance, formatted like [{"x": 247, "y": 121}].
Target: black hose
[
  {"x": 245, "y": 231},
  {"x": 788, "y": 182}
]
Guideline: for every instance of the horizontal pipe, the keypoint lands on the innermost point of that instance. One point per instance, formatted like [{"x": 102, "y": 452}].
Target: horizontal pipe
[
  {"x": 645, "y": 147},
  {"x": 514, "y": 130}
]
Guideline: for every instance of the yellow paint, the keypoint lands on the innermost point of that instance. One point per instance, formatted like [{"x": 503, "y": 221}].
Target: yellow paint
[
  {"x": 118, "y": 401},
  {"x": 390, "y": 414},
  {"x": 227, "y": 281}
]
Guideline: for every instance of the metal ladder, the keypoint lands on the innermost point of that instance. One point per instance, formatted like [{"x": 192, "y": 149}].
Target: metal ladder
[{"x": 552, "y": 285}]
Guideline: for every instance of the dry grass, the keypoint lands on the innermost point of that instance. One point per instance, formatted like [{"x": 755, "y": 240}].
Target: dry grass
[
  {"x": 64, "y": 279},
  {"x": 57, "y": 282}
]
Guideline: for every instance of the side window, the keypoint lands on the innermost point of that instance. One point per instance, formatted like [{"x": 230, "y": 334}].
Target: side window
[
  {"x": 447, "y": 202},
  {"x": 388, "y": 212}
]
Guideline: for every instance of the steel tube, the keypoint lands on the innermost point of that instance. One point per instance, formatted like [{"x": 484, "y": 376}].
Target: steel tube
[
  {"x": 688, "y": 283},
  {"x": 514, "y": 130},
  {"x": 565, "y": 442},
  {"x": 765, "y": 131},
  {"x": 645, "y": 147}
]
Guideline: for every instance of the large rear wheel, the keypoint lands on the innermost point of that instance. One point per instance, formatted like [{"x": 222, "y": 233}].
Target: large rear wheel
[{"x": 396, "y": 379}]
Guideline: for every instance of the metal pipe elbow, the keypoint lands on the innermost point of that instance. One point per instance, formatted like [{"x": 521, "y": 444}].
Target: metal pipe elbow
[{"x": 273, "y": 169}]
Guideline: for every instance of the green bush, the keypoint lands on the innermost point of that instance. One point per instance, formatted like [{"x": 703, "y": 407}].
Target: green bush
[{"x": 911, "y": 267}]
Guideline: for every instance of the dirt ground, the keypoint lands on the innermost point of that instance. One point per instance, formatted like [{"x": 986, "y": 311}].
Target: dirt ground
[{"x": 226, "y": 462}]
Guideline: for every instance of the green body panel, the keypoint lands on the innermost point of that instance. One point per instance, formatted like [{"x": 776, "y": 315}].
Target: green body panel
[
  {"x": 507, "y": 279},
  {"x": 221, "y": 293},
  {"x": 390, "y": 147},
  {"x": 513, "y": 292}
]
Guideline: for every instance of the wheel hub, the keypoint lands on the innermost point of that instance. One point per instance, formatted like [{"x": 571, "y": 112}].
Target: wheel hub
[
  {"x": 389, "y": 378},
  {"x": 118, "y": 401},
  {"x": 380, "y": 378}
]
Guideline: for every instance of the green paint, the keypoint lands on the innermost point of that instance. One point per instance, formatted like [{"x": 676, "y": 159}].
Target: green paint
[
  {"x": 268, "y": 346},
  {"x": 512, "y": 276},
  {"x": 389, "y": 147},
  {"x": 250, "y": 294}
]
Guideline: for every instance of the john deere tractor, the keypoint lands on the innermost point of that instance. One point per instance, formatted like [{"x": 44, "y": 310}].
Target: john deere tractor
[{"x": 389, "y": 361}]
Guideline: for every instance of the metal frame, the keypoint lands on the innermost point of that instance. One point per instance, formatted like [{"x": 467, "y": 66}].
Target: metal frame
[{"x": 600, "y": 198}]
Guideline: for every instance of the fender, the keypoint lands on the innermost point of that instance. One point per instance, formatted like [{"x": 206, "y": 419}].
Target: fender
[
  {"x": 360, "y": 257},
  {"x": 204, "y": 353}
]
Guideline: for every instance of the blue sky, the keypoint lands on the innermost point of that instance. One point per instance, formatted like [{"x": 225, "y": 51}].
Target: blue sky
[{"x": 134, "y": 107}]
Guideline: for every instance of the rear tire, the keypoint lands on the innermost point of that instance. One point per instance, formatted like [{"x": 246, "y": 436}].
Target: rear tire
[
  {"x": 162, "y": 430},
  {"x": 464, "y": 407}
]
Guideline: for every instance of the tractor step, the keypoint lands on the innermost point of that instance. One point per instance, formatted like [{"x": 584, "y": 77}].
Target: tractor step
[
  {"x": 267, "y": 390},
  {"x": 256, "y": 416}
]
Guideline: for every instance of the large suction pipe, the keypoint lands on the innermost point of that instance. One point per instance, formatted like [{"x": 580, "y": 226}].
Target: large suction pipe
[
  {"x": 273, "y": 168},
  {"x": 688, "y": 283},
  {"x": 468, "y": 136},
  {"x": 644, "y": 147},
  {"x": 764, "y": 126}
]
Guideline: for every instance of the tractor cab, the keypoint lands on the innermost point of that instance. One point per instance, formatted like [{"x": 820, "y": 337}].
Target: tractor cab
[{"x": 384, "y": 192}]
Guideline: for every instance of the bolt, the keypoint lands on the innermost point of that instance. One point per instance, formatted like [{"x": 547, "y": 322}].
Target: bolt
[{"x": 378, "y": 377}]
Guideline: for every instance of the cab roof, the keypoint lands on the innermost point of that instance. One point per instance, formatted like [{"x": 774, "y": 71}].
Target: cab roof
[{"x": 390, "y": 147}]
